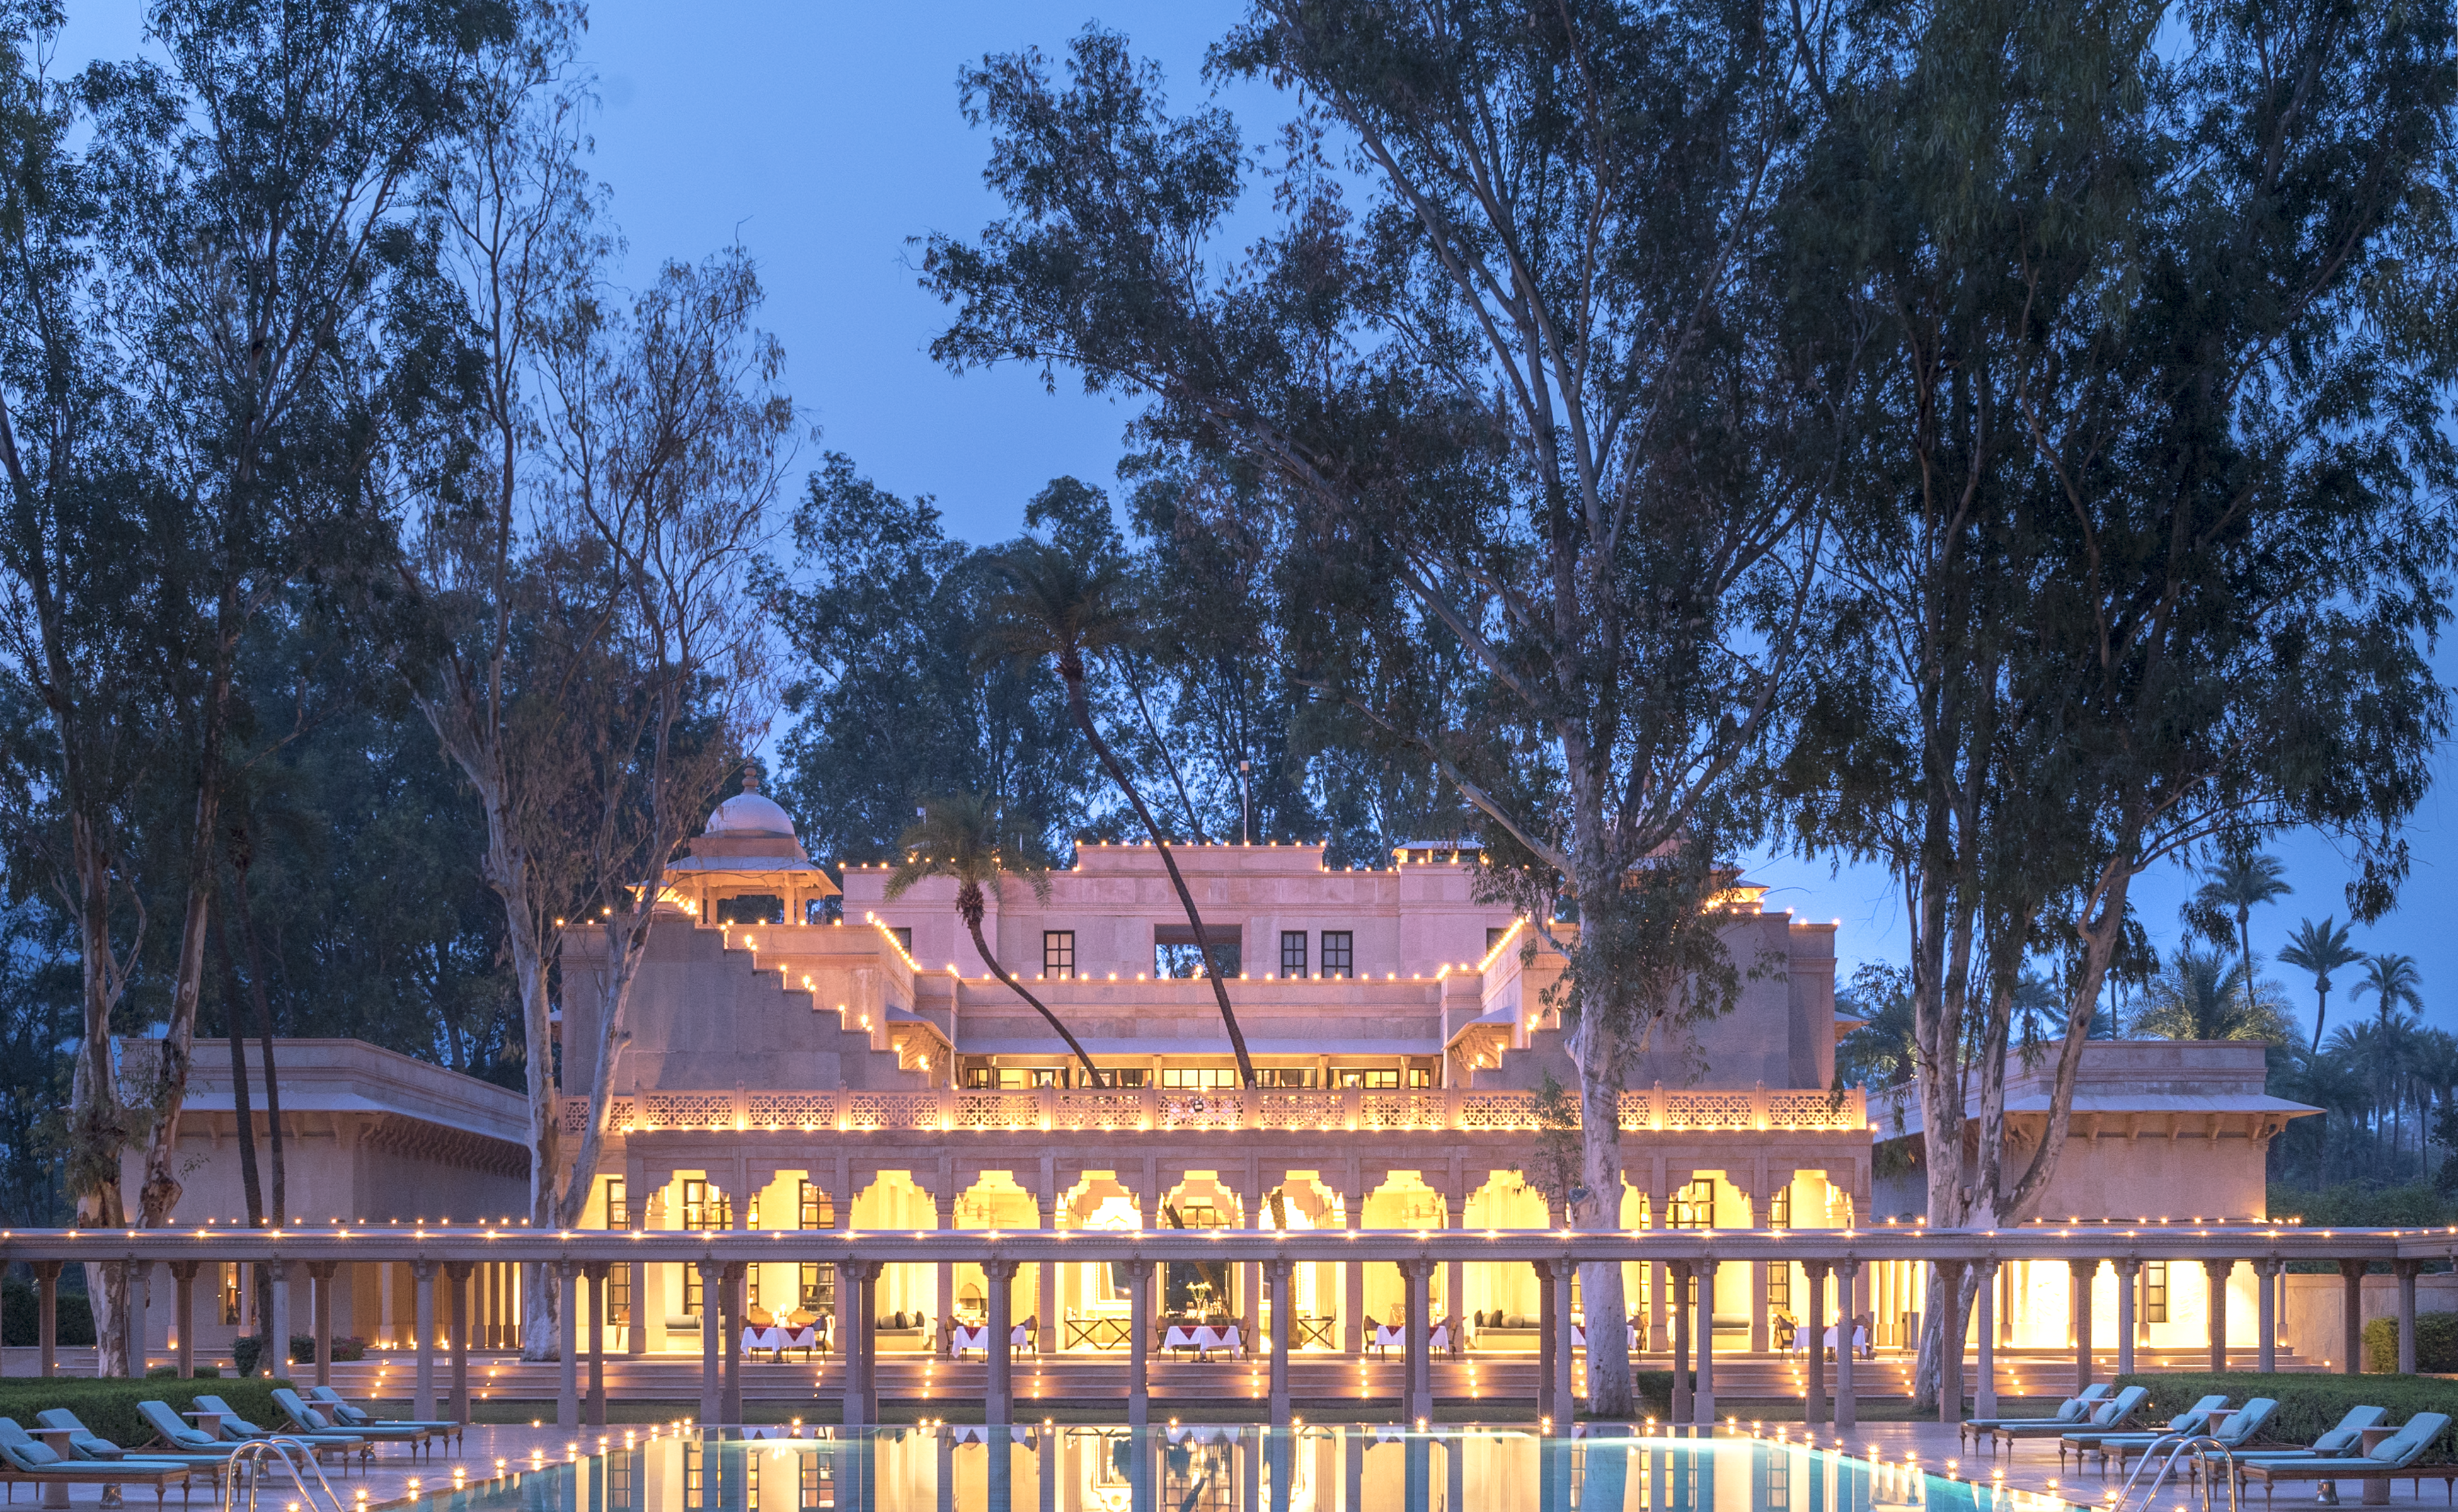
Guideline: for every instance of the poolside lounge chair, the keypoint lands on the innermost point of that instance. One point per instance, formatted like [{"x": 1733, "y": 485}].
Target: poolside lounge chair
[
  {"x": 2069, "y": 1411},
  {"x": 22, "y": 1457},
  {"x": 2235, "y": 1431},
  {"x": 87, "y": 1444},
  {"x": 350, "y": 1417},
  {"x": 179, "y": 1436},
  {"x": 238, "y": 1430},
  {"x": 2109, "y": 1416},
  {"x": 2087, "y": 1440},
  {"x": 2393, "y": 1457},
  {"x": 307, "y": 1419},
  {"x": 2346, "y": 1439}
]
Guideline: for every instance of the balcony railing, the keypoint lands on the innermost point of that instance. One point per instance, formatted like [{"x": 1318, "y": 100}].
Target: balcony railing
[{"x": 1095, "y": 1110}]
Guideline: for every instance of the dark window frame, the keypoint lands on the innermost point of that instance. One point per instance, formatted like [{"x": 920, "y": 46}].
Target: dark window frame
[
  {"x": 1059, "y": 954},
  {"x": 1339, "y": 955},
  {"x": 1293, "y": 953}
]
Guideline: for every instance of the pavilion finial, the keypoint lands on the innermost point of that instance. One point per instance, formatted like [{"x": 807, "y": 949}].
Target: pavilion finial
[{"x": 750, "y": 776}]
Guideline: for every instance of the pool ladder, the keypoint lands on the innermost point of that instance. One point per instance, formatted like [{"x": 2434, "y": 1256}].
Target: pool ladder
[
  {"x": 2178, "y": 1446},
  {"x": 287, "y": 1453}
]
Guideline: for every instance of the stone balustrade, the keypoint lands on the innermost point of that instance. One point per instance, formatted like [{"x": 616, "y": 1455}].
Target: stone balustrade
[{"x": 1147, "y": 1109}]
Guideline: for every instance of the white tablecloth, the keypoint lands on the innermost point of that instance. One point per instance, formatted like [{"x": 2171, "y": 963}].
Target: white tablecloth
[
  {"x": 1579, "y": 1335},
  {"x": 1204, "y": 1339},
  {"x": 779, "y": 1337},
  {"x": 1391, "y": 1335},
  {"x": 977, "y": 1335}
]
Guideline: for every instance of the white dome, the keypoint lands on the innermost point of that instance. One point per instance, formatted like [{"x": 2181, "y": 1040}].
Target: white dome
[{"x": 750, "y": 814}]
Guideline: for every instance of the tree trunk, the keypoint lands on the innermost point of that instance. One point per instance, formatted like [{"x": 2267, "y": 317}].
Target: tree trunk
[
  {"x": 1596, "y": 1053},
  {"x": 1073, "y": 671},
  {"x": 973, "y": 922}
]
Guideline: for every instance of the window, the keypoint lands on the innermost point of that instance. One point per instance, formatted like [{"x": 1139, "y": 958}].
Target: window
[
  {"x": 618, "y": 1294},
  {"x": 618, "y": 1206},
  {"x": 1367, "y": 1077},
  {"x": 813, "y": 1209},
  {"x": 1058, "y": 952},
  {"x": 1175, "y": 953},
  {"x": 1694, "y": 1205},
  {"x": 1494, "y": 937},
  {"x": 1421, "y": 1076},
  {"x": 706, "y": 1209},
  {"x": 1293, "y": 952},
  {"x": 1123, "y": 1076},
  {"x": 1010, "y": 1078},
  {"x": 1339, "y": 953},
  {"x": 1199, "y": 1076},
  {"x": 1780, "y": 1284},
  {"x": 904, "y": 934},
  {"x": 1780, "y": 1209},
  {"x": 230, "y": 1294},
  {"x": 1283, "y": 1076},
  {"x": 2155, "y": 1291},
  {"x": 818, "y": 1289},
  {"x": 691, "y": 1290}
]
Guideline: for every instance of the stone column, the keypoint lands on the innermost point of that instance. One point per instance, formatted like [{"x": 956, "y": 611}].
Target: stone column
[
  {"x": 2265, "y": 1316},
  {"x": 2406, "y": 1271},
  {"x": 2129, "y": 1278},
  {"x": 456, "y": 1277},
  {"x": 422, "y": 1274},
  {"x": 712, "y": 1389},
  {"x": 1045, "y": 1292},
  {"x": 1758, "y": 1303},
  {"x": 2219, "y": 1272},
  {"x": 947, "y": 1293},
  {"x": 1681, "y": 1311},
  {"x": 2083, "y": 1273},
  {"x": 1565, "y": 1272},
  {"x": 731, "y": 1359},
  {"x": 1655, "y": 1339},
  {"x": 998, "y": 1308},
  {"x": 274, "y": 1360},
  {"x": 1546, "y": 1408},
  {"x": 1455, "y": 1274},
  {"x": 183, "y": 1274},
  {"x": 1813, "y": 1401},
  {"x": 46, "y": 1315},
  {"x": 566, "y": 1380},
  {"x": 1985, "y": 1299},
  {"x": 1946, "y": 1302},
  {"x": 1250, "y": 1278},
  {"x": 319, "y": 1277},
  {"x": 1703, "y": 1396},
  {"x": 1416, "y": 1395},
  {"x": 1352, "y": 1282},
  {"x": 2351, "y": 1310},
  {"x": 1846, "y": 1405},
  {"x": 1281, "y": 1271},
  {"x": 596, "y": 1270},
  {"x": 857, "y": 1282},
  {"x": 1139, "y": 1330}
]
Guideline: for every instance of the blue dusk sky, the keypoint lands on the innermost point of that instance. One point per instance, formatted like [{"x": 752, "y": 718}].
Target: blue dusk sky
[{"x": 825, "y": 136}]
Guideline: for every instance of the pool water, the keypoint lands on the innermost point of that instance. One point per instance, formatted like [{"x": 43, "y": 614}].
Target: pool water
[{"x": 1072, "y": 1468}]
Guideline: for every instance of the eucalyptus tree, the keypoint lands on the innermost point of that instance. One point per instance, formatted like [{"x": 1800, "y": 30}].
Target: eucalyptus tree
[
  {"x": 2321, "y": 949},
  {"x": 1526, "y": 415},
  {"x": 968, "y": 839},
  {"x": 2135, "y": 552}
]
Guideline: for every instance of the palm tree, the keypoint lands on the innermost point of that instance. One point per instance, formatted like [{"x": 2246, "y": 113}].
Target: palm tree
[
  {"x": 2319, "y": 949},
  {"x": 2246, "y": 880},
  {"x": 959, "y": 838},
  {"x": 2198, "y": 997},
  {"x": 2395, "y": 982},
  {"x": 1057, "y": 606}
]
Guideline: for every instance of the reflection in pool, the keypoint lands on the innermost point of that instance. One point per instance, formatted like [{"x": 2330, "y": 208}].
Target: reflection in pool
[{"x": 1070, "y": 1468}]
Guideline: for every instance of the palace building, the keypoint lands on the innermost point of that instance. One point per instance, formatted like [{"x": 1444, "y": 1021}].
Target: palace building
[{"x": 795, "y": 1063}]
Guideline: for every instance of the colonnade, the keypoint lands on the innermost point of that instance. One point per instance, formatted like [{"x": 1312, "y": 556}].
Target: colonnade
[{"x": 582, "y": 1260}]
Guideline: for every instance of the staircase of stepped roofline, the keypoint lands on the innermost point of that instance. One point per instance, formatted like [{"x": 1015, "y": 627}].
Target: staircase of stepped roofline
[
  {"x": 778, "y": 970},
  {"x": 1100, "y": 1378}
]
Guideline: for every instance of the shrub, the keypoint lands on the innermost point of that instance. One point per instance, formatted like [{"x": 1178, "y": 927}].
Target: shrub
[
  {"x": 20, "y": 1302},
  {"x": 2309, "y": 1405},
  {"x": 302, "y": 1349},
  {"x": 109, "y": 1407},
  {"x": 244, "y": 1351},
  {"x": 2436, "y": 1343}
]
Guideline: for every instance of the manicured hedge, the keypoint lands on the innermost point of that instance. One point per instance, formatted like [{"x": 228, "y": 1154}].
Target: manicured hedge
[
  {"x": 2436, "y": 1343},
  {"x": 2310, "y": 1404},
  {"x": 20, "y": 1305},
  {"x": 109, "y": 1407}
]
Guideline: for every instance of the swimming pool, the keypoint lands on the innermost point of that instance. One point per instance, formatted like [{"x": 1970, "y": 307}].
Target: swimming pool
[{"x": 1198, "y": 1468}]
